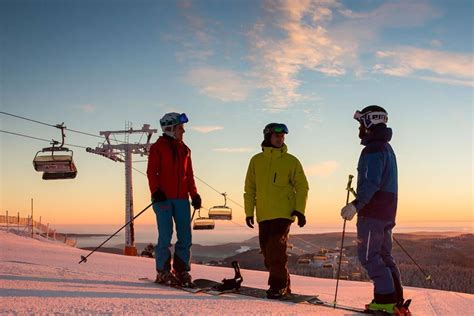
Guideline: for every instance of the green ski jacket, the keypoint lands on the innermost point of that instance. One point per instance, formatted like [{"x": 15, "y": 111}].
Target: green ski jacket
[{"x": 275, "y": 184}]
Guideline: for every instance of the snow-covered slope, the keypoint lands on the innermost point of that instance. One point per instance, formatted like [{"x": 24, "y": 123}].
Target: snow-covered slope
[{"x": 38, "y": 277}]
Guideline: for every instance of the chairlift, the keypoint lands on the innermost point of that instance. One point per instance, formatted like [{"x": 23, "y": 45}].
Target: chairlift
[
  {"x": 222, "y": 212},
  {"x": 56, "y": 162},
  {"x": 203, "y": 223}
]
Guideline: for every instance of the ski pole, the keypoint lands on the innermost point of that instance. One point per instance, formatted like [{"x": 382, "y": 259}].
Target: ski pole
[
  {"x": 427, "y": 276},
  {"x": 349, "y": 189},
  {"x": 84, "y": 259}
]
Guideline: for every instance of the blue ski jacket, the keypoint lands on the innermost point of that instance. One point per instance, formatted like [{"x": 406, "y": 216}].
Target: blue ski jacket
[{"x": 377, "y": 185}]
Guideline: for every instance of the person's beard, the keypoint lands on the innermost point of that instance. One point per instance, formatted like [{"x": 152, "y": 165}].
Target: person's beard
[{"x": 362, "y": 131}]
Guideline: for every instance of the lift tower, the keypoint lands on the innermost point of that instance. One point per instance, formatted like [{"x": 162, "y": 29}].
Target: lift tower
[{"x": 123, "y": 153}]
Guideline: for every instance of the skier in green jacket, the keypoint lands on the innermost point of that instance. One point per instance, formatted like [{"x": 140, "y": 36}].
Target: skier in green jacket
[{"x": 276, "y": 189}]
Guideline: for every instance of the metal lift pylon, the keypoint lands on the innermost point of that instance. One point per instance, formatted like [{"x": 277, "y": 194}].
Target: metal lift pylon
[{"x": 113, "y": 152}]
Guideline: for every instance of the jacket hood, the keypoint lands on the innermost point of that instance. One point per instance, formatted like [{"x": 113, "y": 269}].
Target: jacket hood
[
  {"x": 168, "y": 138},
  {"x": 272, "y": 151},
  {"x": 379, "y": 133}
]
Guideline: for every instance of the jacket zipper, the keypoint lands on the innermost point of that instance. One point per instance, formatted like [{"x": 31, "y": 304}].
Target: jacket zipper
[
  {"x": 179, "y": 176},
  {"x": 274, "y": 177}
]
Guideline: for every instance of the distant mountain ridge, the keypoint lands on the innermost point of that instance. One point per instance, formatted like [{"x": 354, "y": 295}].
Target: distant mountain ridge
[{"x": 447, "y": 256}]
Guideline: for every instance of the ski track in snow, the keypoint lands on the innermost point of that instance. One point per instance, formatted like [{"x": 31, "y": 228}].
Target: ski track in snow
[{"x": 44, "y": 277}]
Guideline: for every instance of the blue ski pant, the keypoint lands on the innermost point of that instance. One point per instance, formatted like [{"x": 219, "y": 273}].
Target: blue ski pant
[
  {"x": 374, "y": 249},
  {"x": 167, "y": 211}
]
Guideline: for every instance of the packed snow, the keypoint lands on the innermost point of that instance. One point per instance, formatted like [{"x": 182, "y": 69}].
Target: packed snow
[{"x": 44, "y": 277}]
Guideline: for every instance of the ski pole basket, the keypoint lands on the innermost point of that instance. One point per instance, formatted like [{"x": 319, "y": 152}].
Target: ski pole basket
[{"x": 221, "y": 212}]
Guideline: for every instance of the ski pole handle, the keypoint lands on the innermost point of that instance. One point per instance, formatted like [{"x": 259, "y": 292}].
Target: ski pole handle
[
  {"x": 349, "y": 183},
  {"x": 349, "y": 187}
]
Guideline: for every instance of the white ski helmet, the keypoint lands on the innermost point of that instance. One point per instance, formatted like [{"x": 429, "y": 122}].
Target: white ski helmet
[
  {"x": 371, "y": 115},
  {"x": 169, "y": 121}
]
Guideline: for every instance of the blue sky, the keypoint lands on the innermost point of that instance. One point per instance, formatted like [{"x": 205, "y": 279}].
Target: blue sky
[{"x": 233, "y": 67}]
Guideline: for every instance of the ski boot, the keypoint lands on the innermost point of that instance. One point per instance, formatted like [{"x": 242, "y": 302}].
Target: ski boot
[
  {"x": 402, "y": 309},
  {"x": 276, "y": 294},
  {"x": 185, "y": 280},
  {"x": 166, "y": 278},
  {"x": 381, "y": 309}
]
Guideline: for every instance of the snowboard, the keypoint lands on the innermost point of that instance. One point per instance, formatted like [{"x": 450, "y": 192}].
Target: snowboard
[{"x": 209, "y": 286}]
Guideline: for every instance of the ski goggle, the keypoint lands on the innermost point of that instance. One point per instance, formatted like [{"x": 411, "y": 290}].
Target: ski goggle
[
  {"x": 179, "y": 119},
  {"x": 371, "y": 118},
  {"x": 276, "y": 128},
  {"x": 182, "y": 118}
]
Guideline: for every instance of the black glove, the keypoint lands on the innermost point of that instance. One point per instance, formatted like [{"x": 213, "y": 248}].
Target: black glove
[
  {"x": 301, "y": 218},
  {"x": 249, "y": 221},
  {"x": 158, "y": 196},
  {"x": 196, "y": 202}
]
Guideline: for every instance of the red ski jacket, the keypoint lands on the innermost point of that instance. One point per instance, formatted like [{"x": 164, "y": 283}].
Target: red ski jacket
[{"x": 170, "y": 169}]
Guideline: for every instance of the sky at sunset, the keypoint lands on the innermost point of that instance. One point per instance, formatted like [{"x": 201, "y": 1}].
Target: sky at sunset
[{"x": 233, "y": 67}]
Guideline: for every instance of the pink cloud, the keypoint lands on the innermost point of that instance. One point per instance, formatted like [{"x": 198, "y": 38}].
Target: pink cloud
[{"x": 446, "y": 67}]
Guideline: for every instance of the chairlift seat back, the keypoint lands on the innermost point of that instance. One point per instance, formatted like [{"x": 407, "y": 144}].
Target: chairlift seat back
[
  {"x": 220, "y": 212},
  {"x": 203, "y": 223},
  {"x": 54, "y": 163}
]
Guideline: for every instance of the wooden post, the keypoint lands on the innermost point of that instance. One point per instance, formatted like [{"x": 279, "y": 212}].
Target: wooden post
[
  {"x": 18, "y": 221},
  {"x": 47, "y": 231},
  {"x": 7, "y": 221},
  {"x": 32, "y": 225}
]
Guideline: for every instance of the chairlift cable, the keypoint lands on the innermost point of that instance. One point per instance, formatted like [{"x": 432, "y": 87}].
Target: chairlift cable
[
  {"x": 24, "y": 118},
  {"x": 141, "y": 137},
  {"x": 236, "y": 203},
  {"x": 139, "y": 171},
  {"x": 37, "y": 138},
  {"x": 27, "y": 136},
  {"x": 51, "y": 125}
]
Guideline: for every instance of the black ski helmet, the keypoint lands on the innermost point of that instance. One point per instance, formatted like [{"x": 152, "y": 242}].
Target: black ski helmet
[
  {"x": 371, "y": 115},
  {"x": 273, "y": 128}
]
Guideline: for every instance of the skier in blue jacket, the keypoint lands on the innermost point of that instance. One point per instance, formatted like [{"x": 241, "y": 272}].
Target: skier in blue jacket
[{"x": 376, "y": 208}]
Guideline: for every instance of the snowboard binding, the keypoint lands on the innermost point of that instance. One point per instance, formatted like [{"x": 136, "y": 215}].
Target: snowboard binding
[{"x": 231, "y": 284}]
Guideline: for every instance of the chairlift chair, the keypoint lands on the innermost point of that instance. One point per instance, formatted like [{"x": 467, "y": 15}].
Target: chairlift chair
[
  {"x": 47, "y": 161},
  {"x": 222, "y": 212},
  {"x": 203, "y": 223},
  {"x": 55, "y": 162}
]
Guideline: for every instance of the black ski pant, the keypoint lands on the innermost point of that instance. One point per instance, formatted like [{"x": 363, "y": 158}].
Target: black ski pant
[{"x": 273, "y": 238}]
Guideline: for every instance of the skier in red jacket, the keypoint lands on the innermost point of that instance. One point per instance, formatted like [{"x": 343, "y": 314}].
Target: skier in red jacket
[{"x": 171, "y": 182}]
